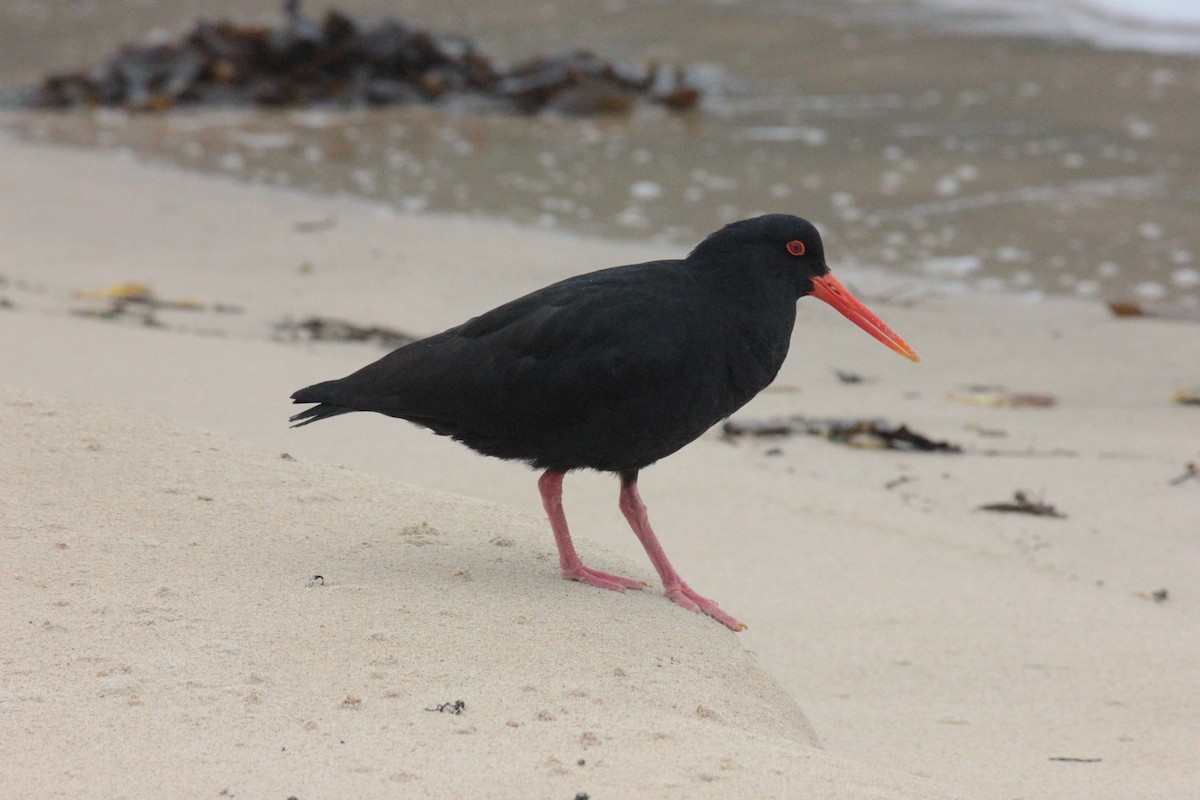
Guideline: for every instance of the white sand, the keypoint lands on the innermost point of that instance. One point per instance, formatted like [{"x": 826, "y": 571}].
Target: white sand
[
  {"x": 172, "y": 645},
  {"x": 167, "y": 636}
]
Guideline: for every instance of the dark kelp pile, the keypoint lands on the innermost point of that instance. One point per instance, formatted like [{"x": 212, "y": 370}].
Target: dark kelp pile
[
  {"x": 872, "y": 434},
  {"x": 346, "y": 60}
]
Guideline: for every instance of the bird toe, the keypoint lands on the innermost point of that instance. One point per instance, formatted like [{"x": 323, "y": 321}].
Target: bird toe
[
  {"x": 602, "y": 580},
  {"x": 689, "y": 598}
]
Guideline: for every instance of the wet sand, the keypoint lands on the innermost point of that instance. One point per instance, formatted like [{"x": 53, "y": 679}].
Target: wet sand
[{"x": 996, "y": 163}]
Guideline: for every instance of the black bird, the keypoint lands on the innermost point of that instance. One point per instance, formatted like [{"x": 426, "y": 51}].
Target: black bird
[{"x": 612, "y": 370}]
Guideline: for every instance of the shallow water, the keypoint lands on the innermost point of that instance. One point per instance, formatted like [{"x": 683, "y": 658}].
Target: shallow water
[{"x": 990, "y": 162}]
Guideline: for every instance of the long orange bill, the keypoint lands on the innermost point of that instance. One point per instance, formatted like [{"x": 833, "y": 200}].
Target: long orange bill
[{"x": 830, "y": 289}]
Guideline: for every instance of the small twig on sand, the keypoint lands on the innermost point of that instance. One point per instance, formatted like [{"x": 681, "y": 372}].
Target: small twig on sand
[
  {"x": 1021, "y": 504},
  {"x": 1190, "y": 473}
]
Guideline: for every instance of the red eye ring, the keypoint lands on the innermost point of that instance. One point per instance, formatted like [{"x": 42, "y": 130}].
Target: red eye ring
[{"x": 796, "y": 247}]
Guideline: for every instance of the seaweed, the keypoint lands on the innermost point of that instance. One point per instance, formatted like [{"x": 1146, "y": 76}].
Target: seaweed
[
  {"x": 875, "y": 434},
  {"x": 346, "y": 60},
  {"x": 457, "y": 707},
  {"x": 329, "y": 329}
]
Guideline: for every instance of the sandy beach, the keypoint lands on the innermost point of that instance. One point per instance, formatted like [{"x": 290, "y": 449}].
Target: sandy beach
[{"x": 168, "y": 634}]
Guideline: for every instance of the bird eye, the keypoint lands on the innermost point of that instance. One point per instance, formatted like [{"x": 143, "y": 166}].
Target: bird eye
[{"x": 796, "y": 247}]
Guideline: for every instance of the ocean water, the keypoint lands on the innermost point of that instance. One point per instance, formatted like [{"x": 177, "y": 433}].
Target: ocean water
[
  {"x": 1152, "y": 25},
  {"x": 1036, "y": 147}
]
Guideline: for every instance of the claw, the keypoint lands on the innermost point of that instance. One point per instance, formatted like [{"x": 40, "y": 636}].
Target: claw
[{"x": 686, "y": 596}]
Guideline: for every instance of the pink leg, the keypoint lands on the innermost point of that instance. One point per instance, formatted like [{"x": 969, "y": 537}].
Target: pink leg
[
  {"x": 635, "y": 511},
  {"x": 550, "y": 485}
]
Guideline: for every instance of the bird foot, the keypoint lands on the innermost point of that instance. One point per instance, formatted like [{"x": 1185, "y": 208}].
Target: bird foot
[
  {"x": 594, "y": 577},
  {"x": 689, "y": 598}
]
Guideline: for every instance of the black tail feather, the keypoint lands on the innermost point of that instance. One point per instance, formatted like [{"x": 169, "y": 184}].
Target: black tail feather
[{"x": 317, "y": 412}]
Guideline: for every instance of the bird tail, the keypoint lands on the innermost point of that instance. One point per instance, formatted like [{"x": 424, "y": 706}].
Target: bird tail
[
  {"x": 317, "y": 413},
  {"x": 319, "y": 394}
]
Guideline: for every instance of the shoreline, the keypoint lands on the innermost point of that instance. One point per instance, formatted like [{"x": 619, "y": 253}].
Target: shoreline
[{"x": 981, "y": 157}]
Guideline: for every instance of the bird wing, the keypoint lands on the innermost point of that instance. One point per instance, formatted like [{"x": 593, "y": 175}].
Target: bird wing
[{"x": 602, "y": 351}]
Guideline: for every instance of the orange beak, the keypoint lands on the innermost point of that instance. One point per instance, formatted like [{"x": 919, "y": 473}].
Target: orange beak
[{"x": 829, "y": 289}]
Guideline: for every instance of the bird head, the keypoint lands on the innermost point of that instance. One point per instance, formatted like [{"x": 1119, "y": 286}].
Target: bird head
[{"x": 784, "y": 244}]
